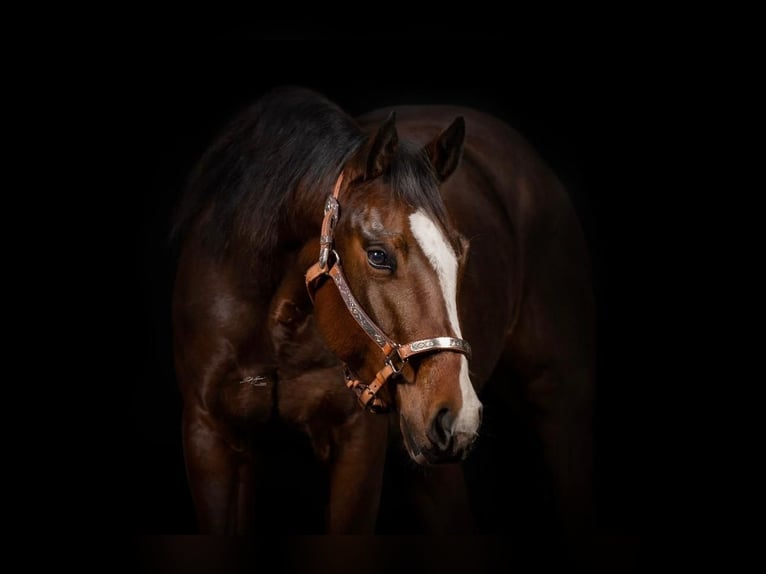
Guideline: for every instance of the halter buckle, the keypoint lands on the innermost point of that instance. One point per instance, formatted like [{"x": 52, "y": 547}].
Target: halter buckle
[
  {"x": 331, "y": 209},
  {"x": 324, "y": 254},
  {"x": 331, "y": 206},
  {"x": 390, "y": 361}
]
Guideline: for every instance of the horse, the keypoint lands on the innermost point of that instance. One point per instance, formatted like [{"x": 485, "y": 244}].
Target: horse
[{"x": 347, "y": 288}]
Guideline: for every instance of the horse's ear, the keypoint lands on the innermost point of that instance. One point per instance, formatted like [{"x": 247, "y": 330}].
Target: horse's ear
[
  {"x": 446, "y": 150},
  {"x": 381, "y": 148}
]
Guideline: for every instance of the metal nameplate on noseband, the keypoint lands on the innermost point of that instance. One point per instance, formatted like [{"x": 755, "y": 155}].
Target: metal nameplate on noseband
[{"x": 440, "y": 343}]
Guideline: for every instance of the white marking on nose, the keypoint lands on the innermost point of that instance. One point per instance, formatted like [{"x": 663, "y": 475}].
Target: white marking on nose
[{"x": 444, "y": 261}]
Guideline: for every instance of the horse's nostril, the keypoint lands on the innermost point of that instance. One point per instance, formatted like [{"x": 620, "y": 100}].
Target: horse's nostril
[{"x": 440, "y": 431}]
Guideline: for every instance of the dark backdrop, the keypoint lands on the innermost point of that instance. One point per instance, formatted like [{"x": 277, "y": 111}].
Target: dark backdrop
[{"x": 584, "y": 116}]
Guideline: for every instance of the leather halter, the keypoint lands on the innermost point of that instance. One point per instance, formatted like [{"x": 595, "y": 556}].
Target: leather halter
[{"x": 395, "y": 355}]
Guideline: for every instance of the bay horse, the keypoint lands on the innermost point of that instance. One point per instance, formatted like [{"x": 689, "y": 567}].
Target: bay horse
[{"x": 360, "y": 282}]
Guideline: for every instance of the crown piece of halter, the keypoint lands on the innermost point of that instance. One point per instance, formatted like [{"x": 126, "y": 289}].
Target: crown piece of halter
[{"x": 395, "y": 355}]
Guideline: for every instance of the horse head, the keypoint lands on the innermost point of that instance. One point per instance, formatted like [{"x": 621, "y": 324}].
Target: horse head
[{"x": 392, "y": 316}]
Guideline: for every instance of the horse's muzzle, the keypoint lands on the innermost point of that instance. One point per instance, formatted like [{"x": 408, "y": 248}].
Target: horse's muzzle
[{"x": 442, "y": 444}]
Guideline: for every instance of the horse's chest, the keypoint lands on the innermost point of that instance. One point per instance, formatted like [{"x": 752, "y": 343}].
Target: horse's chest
[
  {"x": 311, "y": 392},
  {"x": 315, "y": 402}
]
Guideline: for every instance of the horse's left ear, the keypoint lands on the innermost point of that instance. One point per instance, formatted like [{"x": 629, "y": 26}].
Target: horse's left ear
[
  {"x": 446, "y": 150},
  {"x": 381, "y": 148}
]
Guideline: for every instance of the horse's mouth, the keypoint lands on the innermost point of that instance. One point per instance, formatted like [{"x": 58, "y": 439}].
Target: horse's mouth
[
  {"x": 414, "y": 450},
  {"x": 427, "y": 456}
]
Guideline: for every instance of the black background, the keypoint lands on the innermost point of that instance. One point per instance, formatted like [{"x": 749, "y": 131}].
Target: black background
[{"x": 591, "y": 120}]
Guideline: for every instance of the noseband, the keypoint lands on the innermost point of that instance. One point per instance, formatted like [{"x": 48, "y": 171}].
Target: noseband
[{"x": 395, "y": 355}]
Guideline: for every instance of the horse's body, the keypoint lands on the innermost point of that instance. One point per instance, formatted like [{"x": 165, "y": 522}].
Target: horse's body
[{"x": 524, "y": 303}]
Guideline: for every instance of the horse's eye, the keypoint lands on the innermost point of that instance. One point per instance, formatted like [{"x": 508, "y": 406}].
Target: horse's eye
[{"x": 379, "y": 259}]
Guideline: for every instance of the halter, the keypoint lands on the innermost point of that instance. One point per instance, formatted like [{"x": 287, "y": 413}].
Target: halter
[{"x": 395, "y": 356}]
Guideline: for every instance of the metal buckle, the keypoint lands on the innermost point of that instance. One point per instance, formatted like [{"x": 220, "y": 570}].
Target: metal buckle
[
  {"x": 324, "y": 253},
  {"x": 331, "y": 208},
  {"x": 389, "y": 361}
]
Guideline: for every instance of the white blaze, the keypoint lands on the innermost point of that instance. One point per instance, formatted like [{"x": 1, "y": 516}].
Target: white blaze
[{"x": 444, "y": 261}]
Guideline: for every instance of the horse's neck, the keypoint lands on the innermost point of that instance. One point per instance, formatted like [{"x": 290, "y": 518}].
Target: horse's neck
[
  {"x": 297, "y": 345},
  {"x": 304, "y": 220},
  {"x": 297, "y": 249},
  {"x": 277, "y": 278},
  {"x": 291, "y": 286}
]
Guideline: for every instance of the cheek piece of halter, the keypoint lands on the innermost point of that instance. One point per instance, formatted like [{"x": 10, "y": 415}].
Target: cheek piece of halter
[{"x": 395, "y": 355}]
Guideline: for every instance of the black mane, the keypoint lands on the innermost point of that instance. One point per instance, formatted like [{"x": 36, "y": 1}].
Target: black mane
[{"x": 249, "y": 175}]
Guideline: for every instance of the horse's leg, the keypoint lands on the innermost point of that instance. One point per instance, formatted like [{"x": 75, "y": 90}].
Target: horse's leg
[
  {"x": 219, "y": 475},
  {"x": 553, "y": 351},
  {"x": 356, "y": 473},
  {"x": 440, "y": 499},
  {"x": 563, "y": 424}
]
